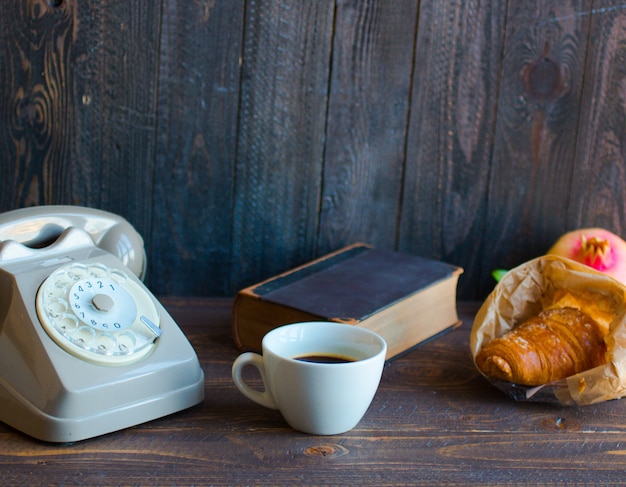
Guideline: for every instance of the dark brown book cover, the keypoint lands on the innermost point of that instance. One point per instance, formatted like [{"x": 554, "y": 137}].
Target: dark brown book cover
[{"x": 405, "y": 298}]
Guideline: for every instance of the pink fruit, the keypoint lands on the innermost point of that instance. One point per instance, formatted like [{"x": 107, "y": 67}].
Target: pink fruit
[{"x": 595, "y": 247}]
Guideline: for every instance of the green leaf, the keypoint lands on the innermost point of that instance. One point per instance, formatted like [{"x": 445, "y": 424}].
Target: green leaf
[{"x": 498, "y": 274}]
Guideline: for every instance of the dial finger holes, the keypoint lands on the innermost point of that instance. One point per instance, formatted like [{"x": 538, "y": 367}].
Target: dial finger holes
[
  {"x": 118, "y": 276},
  {"x": 56, "y": 307},
  {"x": 105, "y": 342},
  {"x": 97, "y": 313},
  {"x": 85, "y": 334},
  {"x": 77, "y": 272},
  {"x": 126, "y": 342},
  {"x": 98, "y": 270},
  {"x": 57, "y": 291},
  {"x": 68, "y": 323}
]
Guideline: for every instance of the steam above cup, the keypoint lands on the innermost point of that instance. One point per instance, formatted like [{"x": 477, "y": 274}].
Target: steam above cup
[{"x": 321, "y": 376}]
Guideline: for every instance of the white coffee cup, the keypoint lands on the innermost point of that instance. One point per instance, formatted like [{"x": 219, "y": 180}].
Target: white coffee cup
[{"x": 313, "y": 397}]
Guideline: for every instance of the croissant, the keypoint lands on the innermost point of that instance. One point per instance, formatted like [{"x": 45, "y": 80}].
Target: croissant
[{"x": 555, "y": 344}]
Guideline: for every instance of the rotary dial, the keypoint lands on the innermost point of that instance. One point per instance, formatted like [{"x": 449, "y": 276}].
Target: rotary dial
[{"x": 98, "y": 313}]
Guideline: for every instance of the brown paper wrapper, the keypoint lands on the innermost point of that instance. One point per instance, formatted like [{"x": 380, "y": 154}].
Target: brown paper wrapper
[{"x": 552, "y": 281}]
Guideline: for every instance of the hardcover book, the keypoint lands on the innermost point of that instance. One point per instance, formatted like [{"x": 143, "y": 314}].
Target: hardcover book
[{"x": 405, "y": 298}]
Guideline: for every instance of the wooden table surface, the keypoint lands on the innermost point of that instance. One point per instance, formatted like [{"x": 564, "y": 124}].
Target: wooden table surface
[{"x": 434, "y": 420}]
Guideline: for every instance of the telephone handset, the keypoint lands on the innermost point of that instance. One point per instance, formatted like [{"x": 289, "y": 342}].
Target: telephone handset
[
  {"x": 85, "y": 348},
  {"x": 40, "y": 226}
]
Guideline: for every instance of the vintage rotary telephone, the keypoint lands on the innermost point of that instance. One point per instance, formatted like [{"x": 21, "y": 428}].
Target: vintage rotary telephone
[{"x": 85, "y": 348}]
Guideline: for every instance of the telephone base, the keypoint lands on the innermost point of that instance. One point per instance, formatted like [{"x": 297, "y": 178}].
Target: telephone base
[
  {"x": 24, "y": 417},
  {"x": 75, "y": 365}
]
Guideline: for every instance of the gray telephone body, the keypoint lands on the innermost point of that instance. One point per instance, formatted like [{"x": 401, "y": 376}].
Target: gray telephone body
[{"x": 85, "y": 348}]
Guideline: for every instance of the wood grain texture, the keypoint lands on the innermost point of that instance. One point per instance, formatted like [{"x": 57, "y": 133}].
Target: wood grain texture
[
  {"x": 244, "y": 138},
  {"x": 599, "y": 181},
  {"x": 433, "y": 421},
  {"x": 533, "y": 163},
  {"x": 36, "y": 89},
  {"x": 284, "y": 88},
  {"x": 366, "y": 124},
  {"x": 453, "y": 106},
  {"x": 78, "y": 102},
  {"x": 114, "y": 101},
  {"x": 195, "y": 160}
]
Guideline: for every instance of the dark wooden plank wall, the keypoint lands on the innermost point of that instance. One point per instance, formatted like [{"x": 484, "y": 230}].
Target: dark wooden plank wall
[{"x": 244, "y": 137}]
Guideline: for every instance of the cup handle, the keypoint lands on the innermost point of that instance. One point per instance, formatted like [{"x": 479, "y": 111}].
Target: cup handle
[{"x": 254, "y": 359}]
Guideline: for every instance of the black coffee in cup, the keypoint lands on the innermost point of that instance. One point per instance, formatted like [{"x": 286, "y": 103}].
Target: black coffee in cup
[{"x": 326, "y": 359}]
